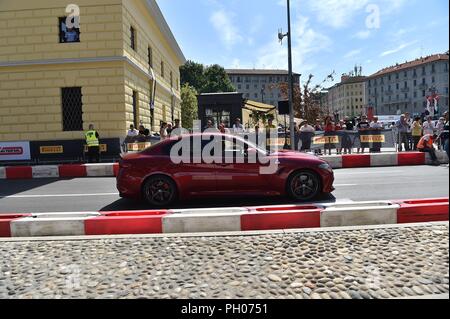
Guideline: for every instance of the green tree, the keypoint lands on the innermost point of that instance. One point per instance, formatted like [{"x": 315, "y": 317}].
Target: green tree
[
  {"x": 193, "y": 74},
  {"x": 189, "y": 109},
  {"x": 217, "y": 80},
  {"x": 211, "y": 79}
]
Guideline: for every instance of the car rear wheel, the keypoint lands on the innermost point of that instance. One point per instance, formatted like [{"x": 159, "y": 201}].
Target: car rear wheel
[
  {"x": 160, "y": 191},
  {"x": 303, "y": 185}
]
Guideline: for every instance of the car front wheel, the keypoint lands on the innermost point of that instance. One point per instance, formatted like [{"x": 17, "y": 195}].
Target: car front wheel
[
  {"x": 303, "y": 185},
  {"x": 160, "y": 191}
]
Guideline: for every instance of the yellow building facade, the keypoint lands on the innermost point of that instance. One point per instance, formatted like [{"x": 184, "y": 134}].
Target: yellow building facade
[{"x": 123, "y": 69}]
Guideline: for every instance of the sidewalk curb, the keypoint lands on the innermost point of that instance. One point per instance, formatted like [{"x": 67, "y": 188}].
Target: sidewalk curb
[
  {"x": 220, "y": 234},
  {"x": 320, "y": 216}
]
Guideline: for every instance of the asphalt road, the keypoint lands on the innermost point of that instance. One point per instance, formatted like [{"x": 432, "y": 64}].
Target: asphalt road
[{"x": 94, "y": 194}]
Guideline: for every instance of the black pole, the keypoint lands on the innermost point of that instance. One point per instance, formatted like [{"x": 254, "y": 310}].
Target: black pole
[{"x": 291, "y": 83}]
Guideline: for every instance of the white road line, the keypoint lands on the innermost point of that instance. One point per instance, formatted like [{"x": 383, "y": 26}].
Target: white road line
[
  {"x": 344, "y": 185},
  {"x": 59, "y": 195},
  {"x": 367, "y": 172}
]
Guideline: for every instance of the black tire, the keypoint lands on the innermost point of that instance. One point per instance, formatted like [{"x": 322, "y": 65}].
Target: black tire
[
  {"x": 304, "y": 185},
  {"x": 159, "y": 191}
]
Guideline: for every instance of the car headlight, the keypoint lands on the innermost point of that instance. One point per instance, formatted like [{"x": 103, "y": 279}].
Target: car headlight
[{"x": 326, "y": 167}]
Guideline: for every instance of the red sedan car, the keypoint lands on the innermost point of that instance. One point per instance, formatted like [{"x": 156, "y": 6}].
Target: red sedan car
[{"x": 154, "y": 175}]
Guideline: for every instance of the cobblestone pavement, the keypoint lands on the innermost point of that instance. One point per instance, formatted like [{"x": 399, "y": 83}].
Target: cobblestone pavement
[{"x": 368, "y": 263}]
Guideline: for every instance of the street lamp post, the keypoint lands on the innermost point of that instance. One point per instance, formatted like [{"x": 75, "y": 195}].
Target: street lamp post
[{"x": 291, "y": 79}]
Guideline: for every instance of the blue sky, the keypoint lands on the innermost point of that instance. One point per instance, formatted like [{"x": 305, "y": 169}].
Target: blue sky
[{"x": 327, "y": 34}]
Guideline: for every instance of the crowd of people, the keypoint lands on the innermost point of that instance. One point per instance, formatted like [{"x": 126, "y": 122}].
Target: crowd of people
[
  {"x": 417, "y": 134},
  {"x": 409, "y": 134}
]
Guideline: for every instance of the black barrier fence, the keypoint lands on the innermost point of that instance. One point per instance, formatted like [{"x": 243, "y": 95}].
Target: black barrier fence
[
  {"x": 374, "y": 140},
  {"x": 72, "y": 150}
]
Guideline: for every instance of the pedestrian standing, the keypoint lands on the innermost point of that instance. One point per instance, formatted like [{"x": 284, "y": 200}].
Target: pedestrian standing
[
  {"x": 169, "y": 129},
  {"x": 93, "y": 144},
  {"x": 329, "y": 133},
  {"x": 428, "y": 126},
  {"x": 363, "y": 126},
  {"x": 163, "y": 131},
  {"x": 237, "y": 126},
  {"x": 416, "y": 130},
  {"x": 306, "y": 134},
  {"x": 131, "y": 137},
  {"x": 376, "y": 127},
  {"x": 402, "y": 130},
  {"x": 409, "y": 122},
  {"x": 439, "y": 128},
  {"x": 318, "y": 126}
]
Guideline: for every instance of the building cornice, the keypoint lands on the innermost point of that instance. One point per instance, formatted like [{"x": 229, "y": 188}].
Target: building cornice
[{"x": 156, "y": 13}]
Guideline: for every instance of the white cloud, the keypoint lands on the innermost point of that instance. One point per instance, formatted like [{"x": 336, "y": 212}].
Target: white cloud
[
  {"x": 398, "y": 49},
  {"x": 305, "y": 43},
  {"x": 340, "y": 13},
  {"x": 364, "y": 34},
  {"x": 227, "y": 30},
  {"x": 352, "y": 53},
  {"x": 398, "y": 35},
  {"x": 336, "y": 13}
]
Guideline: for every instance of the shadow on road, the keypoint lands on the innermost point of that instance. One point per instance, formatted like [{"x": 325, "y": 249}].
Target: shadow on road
[
  {"x": 127, "y": 204},
  {"x": 12, "y": 187}
]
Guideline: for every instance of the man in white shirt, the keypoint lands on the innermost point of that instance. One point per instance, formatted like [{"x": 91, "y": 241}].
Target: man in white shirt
[
  {"x": 428, "y": 126},
  {"x": 238, "y": 127},
  {"x": 132, "y": 132}
]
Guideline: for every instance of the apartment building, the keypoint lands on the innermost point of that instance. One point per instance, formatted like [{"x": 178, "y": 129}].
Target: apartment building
[
  {"x": 119, "y": 66},
  {"x": 346, "y": 98},
  {"x": 405, "y": 87},
  {"x": 261, "y": 85}
]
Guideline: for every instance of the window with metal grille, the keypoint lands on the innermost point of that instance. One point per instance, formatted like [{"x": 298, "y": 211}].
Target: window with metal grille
[
  {"x": 162, "y": 68},
  {"x": 72, "y": 109},
  {"x": 133, "y": 38},
  {"x": 68, "y": 35},
  {"x": 135, "y": 109}
]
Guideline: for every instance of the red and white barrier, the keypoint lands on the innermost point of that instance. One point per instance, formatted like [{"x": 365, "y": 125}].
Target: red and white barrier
[
  {"x": 224, "y": 219},
  {"x": 117, "y": 223},
  {"x": 383, "y": 159},
  {"x": 112, "y": 169}
]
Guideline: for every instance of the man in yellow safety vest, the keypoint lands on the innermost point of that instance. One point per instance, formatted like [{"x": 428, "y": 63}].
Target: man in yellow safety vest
[{"x": 93, "y": 144}]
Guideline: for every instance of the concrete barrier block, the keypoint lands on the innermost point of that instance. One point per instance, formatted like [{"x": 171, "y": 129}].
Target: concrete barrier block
[
  {"x": 45, "y": 171},
  {"x": 201, "y": 223},
  {"x": 441, "y": 155},
  {"x": 58, "y": 224},
  {"x": 100, "y": 170},
  {"x": 361, "y": 215},
  {"x": 2, "y": 173},
  {"x": 335, "y": 161},
  {"x": 383, "y": 159}
]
